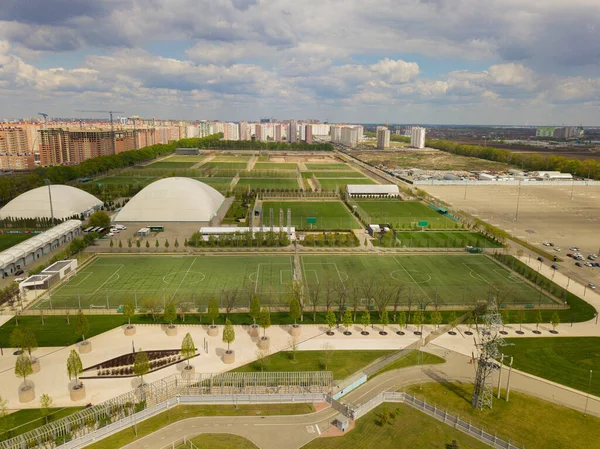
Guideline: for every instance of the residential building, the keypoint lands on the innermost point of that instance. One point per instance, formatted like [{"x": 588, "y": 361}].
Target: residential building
[
  {"x": 417, "y": 138},
  {"x": 17, "y": 162},
  {"x": 293, "y": 132},
  {"x": 13, "y": 140},
  {"x": 383, "y": 137},
  {"x": 308, "y": 134}
]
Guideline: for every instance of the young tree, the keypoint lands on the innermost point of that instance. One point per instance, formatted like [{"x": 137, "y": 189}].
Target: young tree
[
  {"x": 141, "y": 364},
  {"x": 313, "y": 298},
  {"x": 156, "y": 244},
  {"x": 469, "y": 320},
  {"x": 520, "y": 318},
  {"x": 99, "y": 219},
  {"x": 184, "y": 307},
  {"x": 129, "y": 310},
  {"x": 331, "y": 319},
  {"x": 555, "y": 320},
  {"x": 82, "y": 326},
  {"x": 23, "y": 367},
  {"x": 347, "y": 319},
  {"x": 254, "y": 308},
  {"x": 327, "y": 352},
  {"x": 228, "y": 334},
  {"x": 538, "y": 319},
  {"x": 170, "y": 313},
  {"x": 293, "y": 347},
  {"x": 188, "y": 349},
  {"x": 74, "y": 365},
  {"x": 176, "y": 244},
  {"x": 45, "y": 406},
  {"x": 213, "y": 310},
  {"x": 265, "y": 320},
  {"x": 120, "y": 244},
  {"x": 295, "y": 312},
  {"x": 452, "y": 319},
  {"x": 148, "y": 244},
  {"x": 505, "y": 316},
  {"x": 385, "y": 320},
  {"x": 401, "y": 319},
  {"x": 138, "y": 243},
  {"x": 262, "y": 358},
  {"x": 418, "y": 320},
  {"x": 16, "y": 338},
  {"x": 129, "y": 243},
  {"x": 386, "y": 416},
  {"x": 6, "y": 420},
  {"x": 436, "y": 318},
  {"x": 365, "y": 319},
  {"x": 112, "y": 244}
]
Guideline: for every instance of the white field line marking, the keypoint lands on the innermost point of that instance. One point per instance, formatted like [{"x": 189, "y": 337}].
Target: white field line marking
[
  {"x": 256, "y": 284},
  {"x": 102, "y": 285},
  {"x": 314, "y": 272},
  {"x": 86, "y": 276},
  {"x": 183, "y": 278},
  {"x": 338, "y": 272},
  {"x": 413, "y": 279},
  {"x": 318, "y": 430},
  {"x": 472, "y": 272}
]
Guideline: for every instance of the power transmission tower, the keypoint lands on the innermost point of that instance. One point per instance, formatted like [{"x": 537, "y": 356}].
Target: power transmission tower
[{"x": 490, "y": 340}]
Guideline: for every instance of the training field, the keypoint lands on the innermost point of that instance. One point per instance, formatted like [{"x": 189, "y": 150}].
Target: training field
[
  {"x": 329, "y": 214},
  {"x": 220, "y": 184},
  {"x": 122, "y": 180},
  {"x": 332, "y": 166},
  {"x": 267, "y": 183},
  {"x": 168, "y": 164},
  {"x": 227, "y": 165},
  {"x": 401, "y": 214},
  {"x": 333, "y": 174},
  {"x": 440, "y": 239},
  {"x": 275, "y": 166},
  {"x": 331, "y": 184},
  {"x": 8, "y": 240},
  {"x": 446, "y": 279}
]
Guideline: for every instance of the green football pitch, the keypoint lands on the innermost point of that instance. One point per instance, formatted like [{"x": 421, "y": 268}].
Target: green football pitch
[
  {"x": 401, "y": 214},
  {"x": 427, "y": 279},
  {"x": 328, "y": 214}
]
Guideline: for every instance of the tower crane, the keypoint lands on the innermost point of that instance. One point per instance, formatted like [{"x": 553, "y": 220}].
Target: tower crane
[{"x": 112, "y": 128}]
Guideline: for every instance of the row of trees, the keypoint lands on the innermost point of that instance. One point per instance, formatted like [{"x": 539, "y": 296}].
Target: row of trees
[
  {"x": 527, "y": 161},
  {"x": 347, "y": 239},
  {"x": 13, "y": 185},
  {"x": 246, "y": 239},
  {"x": 33, "y": 223}
]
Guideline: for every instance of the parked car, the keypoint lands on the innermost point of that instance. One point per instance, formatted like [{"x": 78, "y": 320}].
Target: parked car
[
  {"x": 569, "y": 255},
  {"x": 592, "y": 286},
  {"x": 109, "y": 234},
  {"x": 578, "y": 264},
  {"x": 19, "y": 272},
  {"x": 555, "y": 267},
  {"x": 588, "y": 264},
  {"x": 556, "y": 248},
  {"x": 540, "y": 259},
  {"x": 546, "y": 243},
  {"x": 574, "y": 248},
  {"x": 596, "y": 264}
]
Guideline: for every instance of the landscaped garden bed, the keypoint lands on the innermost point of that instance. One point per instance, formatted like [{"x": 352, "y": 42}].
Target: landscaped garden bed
[{"x": 122, "y": 366}]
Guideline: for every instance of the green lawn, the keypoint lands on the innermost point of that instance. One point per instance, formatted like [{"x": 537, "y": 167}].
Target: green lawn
[
  {"x": 332, "y": 166},
  {"x": 333, "y": 174},
  {"x": 275, "y": 166},
  {"x": 8, "y": 240},
  {"x": 564, "y": 360},
  {"x": 343, "y": 363},
  {"x": 124, "y": 180},
  {"x": 168, "y": 164},
  {"x": 227, "y": 165},
  {"x": 331, "y": 184},
  {"x": 401, "y": 214},
  {"x": 440, "y": 239},
  {"x": 194, "y": 159},
  {"x": 25, "y": 420},
  {"x": 411, "y": 359},
  {"x": 181, "y": 412},
  {"x": 267, "y": 183},
  {"x": 410, "y": 429},
  {"x": 329, "y": 214},
  {"x": 232, "y": 158},
  {"x": 222, "y": 441},
  {"x": 220, "y": 184},
  {"x": 527, "y": 421}
]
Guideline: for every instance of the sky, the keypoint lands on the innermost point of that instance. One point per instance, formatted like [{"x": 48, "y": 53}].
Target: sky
[{"x": 516, "y": 62}]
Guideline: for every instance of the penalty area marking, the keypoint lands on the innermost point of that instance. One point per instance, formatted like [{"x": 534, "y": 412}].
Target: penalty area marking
[{"x": 512, "y": 278}]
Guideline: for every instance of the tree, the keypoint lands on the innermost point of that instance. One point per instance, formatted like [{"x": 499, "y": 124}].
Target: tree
[
  {"x": 436, "y": 318},
  {"x": 331, "y": 319},
  {"x": 170, "y": 313},
  {"x": 112, "y": 244},
  {"x": 120, "y": 244},
  {"x": 365, "y": 319},
  {"x": 138, "y": 243},
  {"x": 453, "y": 445},
  {"x": 293, "y": 347},
  {"x": 23, "y": 367},
  {"x": 188, "y": 349},
  {"x": 452, "y": 319},
  {"x": 295, "y": 312},
  {"x": 74, "y": 365},
  {"x": 386, "y": 416},
  {"x": 347, "y": 319},
  {"x": 505, "y": 316},
  {"x": 82, "y": 326},
  {"x": 265, "y": 320},
  {"x": 262, "y": 358},
  {"x": 147, "y": 243},
  {"x": 176, "y": 244},
  {"x": 129, "y": 310},
  {"x": 538, "y": 318},
  {"x": 401, "y": 319},
  {"x": 99, "y": 219},
  {"x": 17, "y": 338},
  {"x": 469, "y": 320},
  {"x": 254, "y": 308},
  {"x": 167, "y": 244},
  {"x": 418, "y": 320},
  {"x": 45, "y": 405},
  {"x": 228, "y": 334},
  {"x": 313, "y": 298},
  {"x": 229, "y": 300},
  {"x": 213, "y": 310},
  {"x": 327, "y": 352},
  {"x": 6, "y": 420},
  {"x": 141, "y": 364},
  {"x": 520, "y": 318},
  {"x": 129, "y": 243},
  {"x": 156, "y": 244},
  {"x": 385, "y": 320},
  {"x": 555, "y": 320}
]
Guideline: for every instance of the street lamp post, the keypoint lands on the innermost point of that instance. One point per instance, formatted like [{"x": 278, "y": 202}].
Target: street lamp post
[
  {"x": 588, "y": 395},
  {"x": 47, "y": 181},
  {"x": 518, "y": 199},
  {"x": 508, "y": 382}
]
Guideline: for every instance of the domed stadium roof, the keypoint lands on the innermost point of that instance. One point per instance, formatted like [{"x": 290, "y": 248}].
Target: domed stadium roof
[
  {"x": 172, "y": 199},
  {"x": 66, "y": 202}
]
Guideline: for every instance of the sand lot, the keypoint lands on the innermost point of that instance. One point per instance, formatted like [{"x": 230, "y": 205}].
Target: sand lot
[{"x": 546, "y": 213}]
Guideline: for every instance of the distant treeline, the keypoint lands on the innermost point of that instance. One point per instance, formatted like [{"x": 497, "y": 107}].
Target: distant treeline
[
  {"x": 527, "y": 161},
  {"x": 12, "y": 186}
]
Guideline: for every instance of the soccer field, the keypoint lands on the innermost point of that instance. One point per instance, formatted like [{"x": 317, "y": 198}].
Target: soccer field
[
  {"x": 329, "y": 214},
  {"x": 401, "y": 214},
  {"x": 427, "y": 279},
  {"x": 267, "y": 183}
]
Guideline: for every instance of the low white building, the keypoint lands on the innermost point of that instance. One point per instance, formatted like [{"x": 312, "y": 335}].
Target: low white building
[
  {"x": 224, "y": 230},
  {"x": 552, "y": 176},
  {"x": 50, "y": 275},
  {"x": 385, "y": 190},
  {"x": 26, "y": 252}
]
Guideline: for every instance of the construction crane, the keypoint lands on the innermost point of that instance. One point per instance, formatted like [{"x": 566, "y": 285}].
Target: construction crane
[
  {"x": 112, "y": 128},
  {"x": 43, "y": 114}
]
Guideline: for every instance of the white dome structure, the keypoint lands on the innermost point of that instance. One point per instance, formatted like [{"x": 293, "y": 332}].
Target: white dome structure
[
  {"x": 172, "y": 199},
  {"x": 67, "y": 201}
]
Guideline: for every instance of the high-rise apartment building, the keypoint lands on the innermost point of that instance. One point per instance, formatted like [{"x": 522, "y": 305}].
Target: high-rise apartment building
[
  {"x": 417, "y": 137},
  {"x": 17, "y": 162},
  {"x": 293, "y": 132},
  {"x": 383, "y": 137},
  {"x": 308, "y": 132},
  {"x": 13, "y": 140},
  {"x": 278, "y": 133}
]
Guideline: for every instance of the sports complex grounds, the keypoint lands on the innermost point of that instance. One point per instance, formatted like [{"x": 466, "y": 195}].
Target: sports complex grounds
[{"x": 425, "y": 280}]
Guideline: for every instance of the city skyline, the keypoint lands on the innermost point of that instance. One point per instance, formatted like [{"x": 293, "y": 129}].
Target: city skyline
[{"x": 434, "y": 62}]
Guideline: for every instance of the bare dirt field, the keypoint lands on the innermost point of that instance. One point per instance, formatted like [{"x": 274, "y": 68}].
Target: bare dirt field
[
  {"x": 546, "y": 213},
  {"x": 427, "y": 159}
]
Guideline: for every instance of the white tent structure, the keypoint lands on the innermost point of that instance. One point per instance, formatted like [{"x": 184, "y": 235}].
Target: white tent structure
[
  {"x": 30, "y": 250},
  {"x": 67, "y": 202},
  {"x": 357, "y": 190},
  {"x": 172, "y": 199}
]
